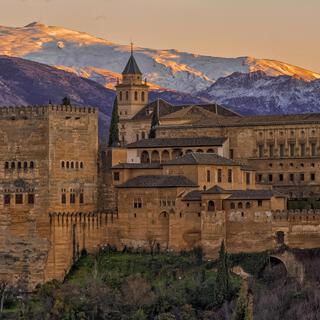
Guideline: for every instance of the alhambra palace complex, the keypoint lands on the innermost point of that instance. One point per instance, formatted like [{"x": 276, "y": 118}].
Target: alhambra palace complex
[{"x": 208, "y": 175}]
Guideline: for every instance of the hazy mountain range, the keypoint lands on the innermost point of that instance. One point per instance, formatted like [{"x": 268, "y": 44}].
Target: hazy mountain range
[{"x": 246, "y": 84}]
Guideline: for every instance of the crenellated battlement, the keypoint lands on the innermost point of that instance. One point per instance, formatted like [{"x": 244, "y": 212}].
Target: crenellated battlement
[{"x": 27, "y": 112}]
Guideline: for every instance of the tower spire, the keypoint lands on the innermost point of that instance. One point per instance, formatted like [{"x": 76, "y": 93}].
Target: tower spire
[{"x": 131, "y": 47}]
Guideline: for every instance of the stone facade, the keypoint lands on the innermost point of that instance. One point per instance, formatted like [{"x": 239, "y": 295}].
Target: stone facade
[{"x": 209, "y": 175}]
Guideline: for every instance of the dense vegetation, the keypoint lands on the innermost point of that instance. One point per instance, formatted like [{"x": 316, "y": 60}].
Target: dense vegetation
[
  {"x": 115, "y": 285},
  {"x": 138, "y": 286}
]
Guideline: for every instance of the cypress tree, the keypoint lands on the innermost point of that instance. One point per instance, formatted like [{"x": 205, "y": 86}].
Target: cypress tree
[
  {"x": 223, "y": 274},
  {"x": 154, "y": 121},
  {"x": 66, "y": 101},
  {"x": 114, "y": 125}
]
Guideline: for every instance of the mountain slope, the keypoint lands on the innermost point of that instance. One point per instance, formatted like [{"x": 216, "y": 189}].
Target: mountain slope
[
  {"x": 100, "y": 58},
  {"x": 258, "y": 93}
]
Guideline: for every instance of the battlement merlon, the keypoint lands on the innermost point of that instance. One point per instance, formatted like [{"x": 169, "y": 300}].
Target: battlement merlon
[{"x": 27, "y": 112}]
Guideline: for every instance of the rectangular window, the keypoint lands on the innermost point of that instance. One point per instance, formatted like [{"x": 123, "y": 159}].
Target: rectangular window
[
  {"x": 281, "y": 150},
  {"x": 6, "y": 199},
  {"x": 229, "y": 175},
  {"x": 137, "y": 203},
  {"x": 313, "y": 150},
  {"x": 116, "y": 176},
  {"x": 19, "y": 198},
  {"x": 81, "y": 198},
  {"x": 259, "y": 177},
  {"x": 208, "y": 175},
  {"x": 260, "y": 150},
  {"x": 63, "y": 198},
  {"x": 30, "y": 198},
  {"x": 281, "y": 177},
  {"x": 301, "y": 176},
  {"x": 259, "y": 203},
  {"x": 271, "y": 149},
  {"x": 302, "y": 149},
  {"x": 219, "y": 175},
  {"x": 231, "y": 153},
  {"x": 137, "y": 137},
  {"x": 291, "y": 177},
  {"x": 270, "y": 177},
  {"x": 291, "y": 148},
  {"x": 248, "y": 178},
  {"x": 312, "y": 176},
  {"x": 72, "y": 198}
]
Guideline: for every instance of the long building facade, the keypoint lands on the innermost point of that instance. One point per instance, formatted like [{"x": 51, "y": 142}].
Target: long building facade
[{"x": 207, "y": 175}]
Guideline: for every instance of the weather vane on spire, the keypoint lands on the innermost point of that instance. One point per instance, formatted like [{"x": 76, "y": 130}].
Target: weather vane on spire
[{"x": 131, "y": 47}]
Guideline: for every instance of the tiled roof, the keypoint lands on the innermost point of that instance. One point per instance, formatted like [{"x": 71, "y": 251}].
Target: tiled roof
[
  {"x": 177, "y": 142},
  {"x": 253, "y": 194},
  {"x": 216, "y": 190},
  {"x": 262, "y": 120},
  {"x": 131, "y": 67},
  {"x": 165, "y": 109},
  {"x": 194, "y": 158},
  {"x": 194, "y": 195},
  {"x": 153, "y": 165},
  {"x": 158, "y": 181}
]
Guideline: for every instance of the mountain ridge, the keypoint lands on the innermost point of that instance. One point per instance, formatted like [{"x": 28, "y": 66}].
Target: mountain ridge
[{"x": 171, "y": 69}]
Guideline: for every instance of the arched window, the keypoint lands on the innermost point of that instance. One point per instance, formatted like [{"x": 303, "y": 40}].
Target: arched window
[
  {"x": 232, "y": 205},
  {"x": 155, "y": 157},
  {"x": 200, "y": 150},
  {"x": 143, "y": 135},
  {"x": 6, "y": 165},
  {"x": 240, "y": 205},
  {"x": 211, "y": 205},
  {"x": 31, "y": 164},
  {"x": 127, "y": 95},
  {"x": 19, "y": 165},
  {"x": 145, "y": 157},
  {"x": 68, "y": 165},
  {"x": 248, "y": 205},
  {"x": 120, "y": 96},
  {"x": 280, "y": 237},
  {"x": 25, "y": 165},
  {"x": 143, "y": 96},
  {"x": 72, "y": 165},
  {"x": 188, "y": 151},
  {"x": 62, "y": 164},
  {"x": 135, "y": 95},
  {"x": 81, "y": 165},
  {"x": 13, "y": 165},
  {"x": 165, "y": 156},
  {"x": 210, "y": 151}
]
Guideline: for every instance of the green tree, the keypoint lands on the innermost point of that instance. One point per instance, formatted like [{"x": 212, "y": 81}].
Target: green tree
[
  {"x": 66, "y": 101},
  {"x": 223, "y": 274},
  {"x": 154, "y": 121},
  {"x": 241, "y": 311},
  {"x": 114, "y": 125}
]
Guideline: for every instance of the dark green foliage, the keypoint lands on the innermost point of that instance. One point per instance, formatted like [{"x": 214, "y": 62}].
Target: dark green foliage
[
  {"x": 310, "y": 203},
  {"x": 251, "y": 263},
  {"x": 113, "y": 285},
  {"x": 114, "y": 125},
  {"x": 223, "y": 274},
  {"x": 241, "y": 311},
  {"x": 154, "y": 122},
  {"x": 66, "y": 101}
]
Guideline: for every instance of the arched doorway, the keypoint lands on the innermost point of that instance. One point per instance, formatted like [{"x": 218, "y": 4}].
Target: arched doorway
[
  {"x": 177, "y": 153},
  {"x": 163, "y": 234},
  {"x": 145, "y": 157}
]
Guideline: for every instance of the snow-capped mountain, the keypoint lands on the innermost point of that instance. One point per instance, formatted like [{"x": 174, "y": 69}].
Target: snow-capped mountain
[
  {"x": 103, "y": 61},
  {"x": 258, "y": 93}
]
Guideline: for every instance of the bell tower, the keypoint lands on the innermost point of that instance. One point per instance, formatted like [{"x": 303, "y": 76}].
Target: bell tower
[{"x": 132, "y": 92}]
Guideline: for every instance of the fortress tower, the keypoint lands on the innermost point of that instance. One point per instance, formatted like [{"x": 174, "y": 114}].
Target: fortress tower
[{"x": 132, "y": 93}]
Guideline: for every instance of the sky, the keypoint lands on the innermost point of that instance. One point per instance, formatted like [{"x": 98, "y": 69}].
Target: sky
[{"x": 285, "y": 30}]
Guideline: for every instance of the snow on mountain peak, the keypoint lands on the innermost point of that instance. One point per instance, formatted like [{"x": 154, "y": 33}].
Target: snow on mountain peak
[{"x": 101, "y": 59}]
